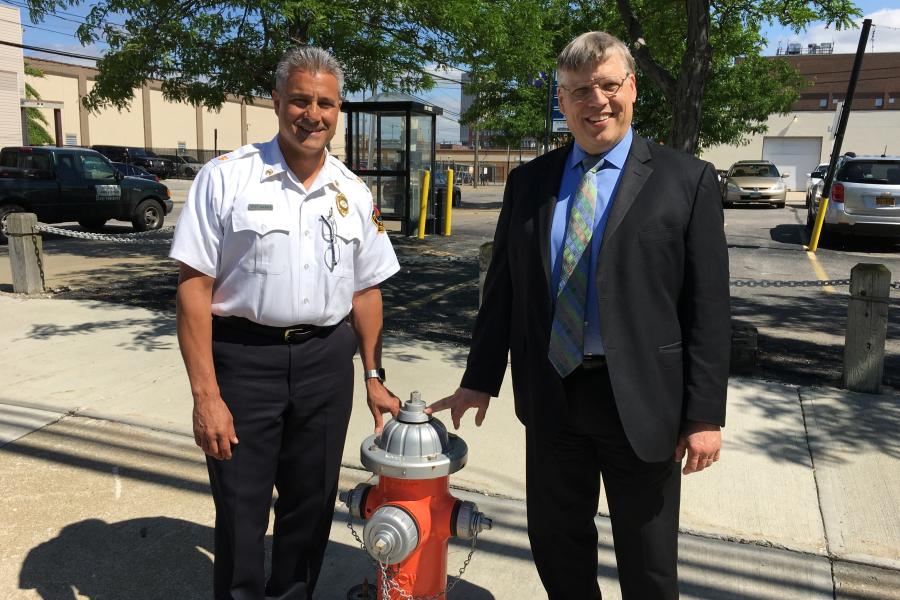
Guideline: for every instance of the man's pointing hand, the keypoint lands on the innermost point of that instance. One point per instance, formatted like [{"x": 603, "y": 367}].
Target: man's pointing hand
[{"x": 462, "y": 400}]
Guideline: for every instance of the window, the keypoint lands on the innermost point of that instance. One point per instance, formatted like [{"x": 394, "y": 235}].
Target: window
[
  {"x": 182, "y": 146},
  {"x": 71, "y": 139},
  {"x": 879, "y": 102},
  {"x": 96, "y": 168},
  {"x": 823, "y": 103}
]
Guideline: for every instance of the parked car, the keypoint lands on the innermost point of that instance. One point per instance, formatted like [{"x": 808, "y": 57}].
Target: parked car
[
  {"x": 813, "y": 178},
  {"x": 134, "y": 155},
  {"x": 76, "y": 184},
  {"x": 185, "y": 165},
  {"x": 754, "y": 181},
  {"x": 865, "y": 197},
  {"x": 440, "y": 188},
  {"x": 134, "y": 171}
]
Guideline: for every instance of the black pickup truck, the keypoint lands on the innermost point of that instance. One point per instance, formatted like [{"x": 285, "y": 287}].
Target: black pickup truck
[{"x": 76, "y": 184}]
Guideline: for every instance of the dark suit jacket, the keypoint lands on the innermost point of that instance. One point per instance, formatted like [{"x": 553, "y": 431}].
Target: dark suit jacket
[{"x": 662, "y": 278}]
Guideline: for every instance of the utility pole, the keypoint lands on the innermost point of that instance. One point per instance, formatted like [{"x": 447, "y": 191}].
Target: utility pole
[{"x": 839, "y": 136}]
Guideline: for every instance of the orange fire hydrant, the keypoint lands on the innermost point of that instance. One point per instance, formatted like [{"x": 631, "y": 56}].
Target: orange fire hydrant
[{"x": 410, "y": 514}]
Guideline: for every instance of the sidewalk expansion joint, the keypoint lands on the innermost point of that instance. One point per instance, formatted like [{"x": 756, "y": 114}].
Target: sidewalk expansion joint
[{"x": 812, "y": 462}]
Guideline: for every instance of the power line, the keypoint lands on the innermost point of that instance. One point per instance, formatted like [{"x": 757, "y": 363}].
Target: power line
[
  {"x": 49, "y": 51},
  {"x": 78, "y": 18},
  {"x": 19, "y": 23}
]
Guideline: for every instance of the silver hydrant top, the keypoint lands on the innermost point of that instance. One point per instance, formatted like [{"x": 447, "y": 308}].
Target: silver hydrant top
[{"x": 414, "y": 445}]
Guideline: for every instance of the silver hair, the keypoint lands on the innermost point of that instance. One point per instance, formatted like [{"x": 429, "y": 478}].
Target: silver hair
[
  {"x": 592, "y": 48},
  {"x": 311, "y": 59}
]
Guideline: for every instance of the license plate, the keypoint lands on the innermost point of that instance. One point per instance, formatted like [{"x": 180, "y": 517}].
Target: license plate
[
  {"x": 755, "y": 195},
  {"x": 884, "y": 201}
]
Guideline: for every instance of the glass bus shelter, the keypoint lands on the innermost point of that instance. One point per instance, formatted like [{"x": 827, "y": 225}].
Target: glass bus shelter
[{"x": 390, "y": 145}]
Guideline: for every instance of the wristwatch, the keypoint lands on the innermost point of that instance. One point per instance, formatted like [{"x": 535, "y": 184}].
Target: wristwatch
[{"x": 379, "y": 373}]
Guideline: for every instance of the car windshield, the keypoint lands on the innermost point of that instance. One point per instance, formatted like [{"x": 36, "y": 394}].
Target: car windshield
[
  {"x": 189, "y": 158},
  {"x": 440, "y": 178},
  {"x": 871, "y": 171},
  {"x": 753, "y": 170}
]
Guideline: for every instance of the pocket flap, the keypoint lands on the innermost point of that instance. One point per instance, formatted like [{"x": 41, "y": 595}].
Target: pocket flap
[{"x": 261, "y": 218}]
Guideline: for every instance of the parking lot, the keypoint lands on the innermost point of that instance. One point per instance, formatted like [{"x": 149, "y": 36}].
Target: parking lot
[{"x": 775, "y": 282}]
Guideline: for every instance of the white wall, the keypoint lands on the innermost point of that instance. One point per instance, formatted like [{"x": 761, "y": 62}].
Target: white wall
[{"x": 12, "y": 78}]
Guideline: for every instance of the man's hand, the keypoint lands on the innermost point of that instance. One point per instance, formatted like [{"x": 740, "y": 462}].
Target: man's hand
[
  {"x": 702, "y": 441},
  {"x": 381, "y": 400},
  {"x": 213, "y": 428},
  {"x": 462, "y": 400}
]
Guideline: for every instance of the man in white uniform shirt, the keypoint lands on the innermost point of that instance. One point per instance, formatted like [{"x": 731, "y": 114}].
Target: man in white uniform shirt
[{"x": 278, "y": 243}]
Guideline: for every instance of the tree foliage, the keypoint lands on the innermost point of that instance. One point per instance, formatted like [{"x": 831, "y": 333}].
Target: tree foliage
[
  {"x": 204, "y": 50},
  {"x": 34, "y": 118}
]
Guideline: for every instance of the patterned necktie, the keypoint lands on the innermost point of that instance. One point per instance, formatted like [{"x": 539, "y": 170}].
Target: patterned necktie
[{"x": 567, "y": 335}]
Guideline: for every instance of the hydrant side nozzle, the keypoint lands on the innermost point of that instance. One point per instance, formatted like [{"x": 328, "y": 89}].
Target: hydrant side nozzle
[
  {"x": 355, "y": 499},
  {"x": 466, "y": 521},
  {"x": 391, "y": 534}
]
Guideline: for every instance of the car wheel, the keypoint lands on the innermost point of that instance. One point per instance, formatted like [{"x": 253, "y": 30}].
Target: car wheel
[
  {"x": 188, "y": 172},
  {"x": 92, "y": 225},
  {"x": 148, "y": 216},
  {"x": 457, "y": 199},
  {"x": 5, "y": 211},
  {"x": 778, "y": 205}
]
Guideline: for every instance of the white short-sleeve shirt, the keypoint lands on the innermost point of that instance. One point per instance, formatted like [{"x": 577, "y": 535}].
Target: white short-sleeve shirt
[{"x": 282, "y": 254}]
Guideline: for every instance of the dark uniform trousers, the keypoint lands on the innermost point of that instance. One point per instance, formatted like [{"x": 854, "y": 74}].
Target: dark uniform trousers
[
  {"x": 563, "y": 475},
  {"x": 291, "y": 407}
]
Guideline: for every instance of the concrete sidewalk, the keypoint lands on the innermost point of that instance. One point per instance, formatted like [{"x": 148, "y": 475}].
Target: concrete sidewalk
[{"x": 108, "y": 495}]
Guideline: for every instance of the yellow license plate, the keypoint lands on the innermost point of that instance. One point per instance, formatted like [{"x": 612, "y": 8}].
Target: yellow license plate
[{"x": 884, "y": 201}]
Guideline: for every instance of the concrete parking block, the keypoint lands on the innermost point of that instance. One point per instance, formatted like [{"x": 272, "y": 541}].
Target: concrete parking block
[{"x": 856, "y": 450}]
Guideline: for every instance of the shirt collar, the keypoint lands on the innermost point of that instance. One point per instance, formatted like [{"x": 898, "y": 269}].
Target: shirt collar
[
  {"x": 615, "y": 156},
  {"x": 274, "y": 165}
]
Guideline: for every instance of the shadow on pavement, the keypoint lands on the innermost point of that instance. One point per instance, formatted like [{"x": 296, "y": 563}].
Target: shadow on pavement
[{"x": 139, "y": 559}]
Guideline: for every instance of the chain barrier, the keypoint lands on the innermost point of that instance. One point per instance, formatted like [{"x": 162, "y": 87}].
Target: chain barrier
[
  {"x": 425, "y": 260},
  {"x": 388, "y": 580},
  {"x": 140, "y": 237},
  {"x": 789, "y": 283}
]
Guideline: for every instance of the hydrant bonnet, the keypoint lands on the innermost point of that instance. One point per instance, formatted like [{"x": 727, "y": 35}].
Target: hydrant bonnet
[{"x": 415, "y": 445}]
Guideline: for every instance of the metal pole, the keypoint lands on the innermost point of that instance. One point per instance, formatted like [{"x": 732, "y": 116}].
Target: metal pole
[
  {"x": 839, "y": 136},
  {"x": 547, "y": 120}
]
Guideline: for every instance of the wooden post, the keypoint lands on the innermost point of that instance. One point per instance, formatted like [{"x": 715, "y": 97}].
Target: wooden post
[
  {"x": 25, "y": 253},
  {"x": 866, "y": 328},
  {"x": 485, "y": 253}
]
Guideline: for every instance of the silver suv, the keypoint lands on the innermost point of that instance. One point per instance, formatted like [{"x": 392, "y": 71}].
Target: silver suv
[{"x": 865, "y": 197}]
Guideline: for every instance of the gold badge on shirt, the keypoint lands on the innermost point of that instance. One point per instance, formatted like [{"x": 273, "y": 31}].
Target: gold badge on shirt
[{"x": 343, "y": 205}]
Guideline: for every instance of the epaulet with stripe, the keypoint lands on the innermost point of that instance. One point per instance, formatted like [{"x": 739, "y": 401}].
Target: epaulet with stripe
[{"x": 242, "y": 152}]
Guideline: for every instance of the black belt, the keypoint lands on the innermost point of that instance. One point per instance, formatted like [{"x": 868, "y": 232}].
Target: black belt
[
  {"x": 593, "y": 361},
  {"x": 294, "y": 334}
]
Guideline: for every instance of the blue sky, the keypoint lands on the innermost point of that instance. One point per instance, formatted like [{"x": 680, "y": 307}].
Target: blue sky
[{"x": 57, "y": 32}]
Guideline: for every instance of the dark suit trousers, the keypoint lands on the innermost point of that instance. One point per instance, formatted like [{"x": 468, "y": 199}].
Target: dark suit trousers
[
  {"x": 563, "y": 475},
  {"x": 291, "y": 407}
]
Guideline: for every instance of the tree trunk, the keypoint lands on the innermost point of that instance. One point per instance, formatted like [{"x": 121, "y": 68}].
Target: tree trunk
[{"x": 687, "y": 106}]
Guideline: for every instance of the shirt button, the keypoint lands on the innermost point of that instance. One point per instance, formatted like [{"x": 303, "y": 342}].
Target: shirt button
[
  {"x": 306, "y": 301},
  {"x": 307, "y": 234},
  {"x": 305, "y": 267}
]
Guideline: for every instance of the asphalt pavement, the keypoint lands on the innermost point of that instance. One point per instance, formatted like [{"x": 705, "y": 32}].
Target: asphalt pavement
[{"x": 106, "y": 496}]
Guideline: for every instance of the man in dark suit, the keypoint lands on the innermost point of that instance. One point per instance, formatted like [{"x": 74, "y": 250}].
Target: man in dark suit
[{"x": 608, "y": 289}]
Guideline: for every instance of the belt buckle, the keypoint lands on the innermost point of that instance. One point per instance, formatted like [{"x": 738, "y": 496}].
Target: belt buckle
[{"x": 291, "y": 331}]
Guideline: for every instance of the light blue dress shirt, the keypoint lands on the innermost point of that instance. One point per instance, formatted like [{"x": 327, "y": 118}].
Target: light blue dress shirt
[{"x": 607, "y": 179}]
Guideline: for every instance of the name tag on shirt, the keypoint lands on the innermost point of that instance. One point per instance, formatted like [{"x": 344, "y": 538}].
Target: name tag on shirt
[{"x": 260, "y": 207}]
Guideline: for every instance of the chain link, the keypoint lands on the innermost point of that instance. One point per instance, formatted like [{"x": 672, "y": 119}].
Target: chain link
[
  {"x": 424, "y": 260},
  {"x": 388, "y": 574},
  {"x": 789, "y": 283},
  {"x": 40, "y": 262}
]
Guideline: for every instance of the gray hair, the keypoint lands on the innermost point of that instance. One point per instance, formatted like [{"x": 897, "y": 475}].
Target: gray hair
[
  {"x": 311, "y": 59},
  {"x": 592, "y": 48}
]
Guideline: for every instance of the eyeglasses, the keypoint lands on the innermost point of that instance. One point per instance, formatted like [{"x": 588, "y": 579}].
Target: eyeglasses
[
  {"x": 607, "y": 87},
  {"x": 333, "y": 251}
]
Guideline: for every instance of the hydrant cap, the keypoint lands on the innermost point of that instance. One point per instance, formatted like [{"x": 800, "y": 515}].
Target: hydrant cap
[{"x": 414, "y": 446}]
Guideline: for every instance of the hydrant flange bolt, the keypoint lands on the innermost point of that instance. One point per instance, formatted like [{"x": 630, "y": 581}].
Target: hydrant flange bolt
[
  {"x": 467, "y": 522},
  {"x": 391, "y": 534}
]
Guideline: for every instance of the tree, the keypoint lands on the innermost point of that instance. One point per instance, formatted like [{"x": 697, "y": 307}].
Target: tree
[
  {"x": 34, "y": 118},
  {"x": 203, "y": 50},
  {"x": 681, "y": 49}
]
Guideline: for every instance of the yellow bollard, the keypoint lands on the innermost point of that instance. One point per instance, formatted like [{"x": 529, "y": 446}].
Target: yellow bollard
[
  {"x": 448, "y": 211},
  {"x": 423, "y": 204},
  {"x": 817, "y": 228}
]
